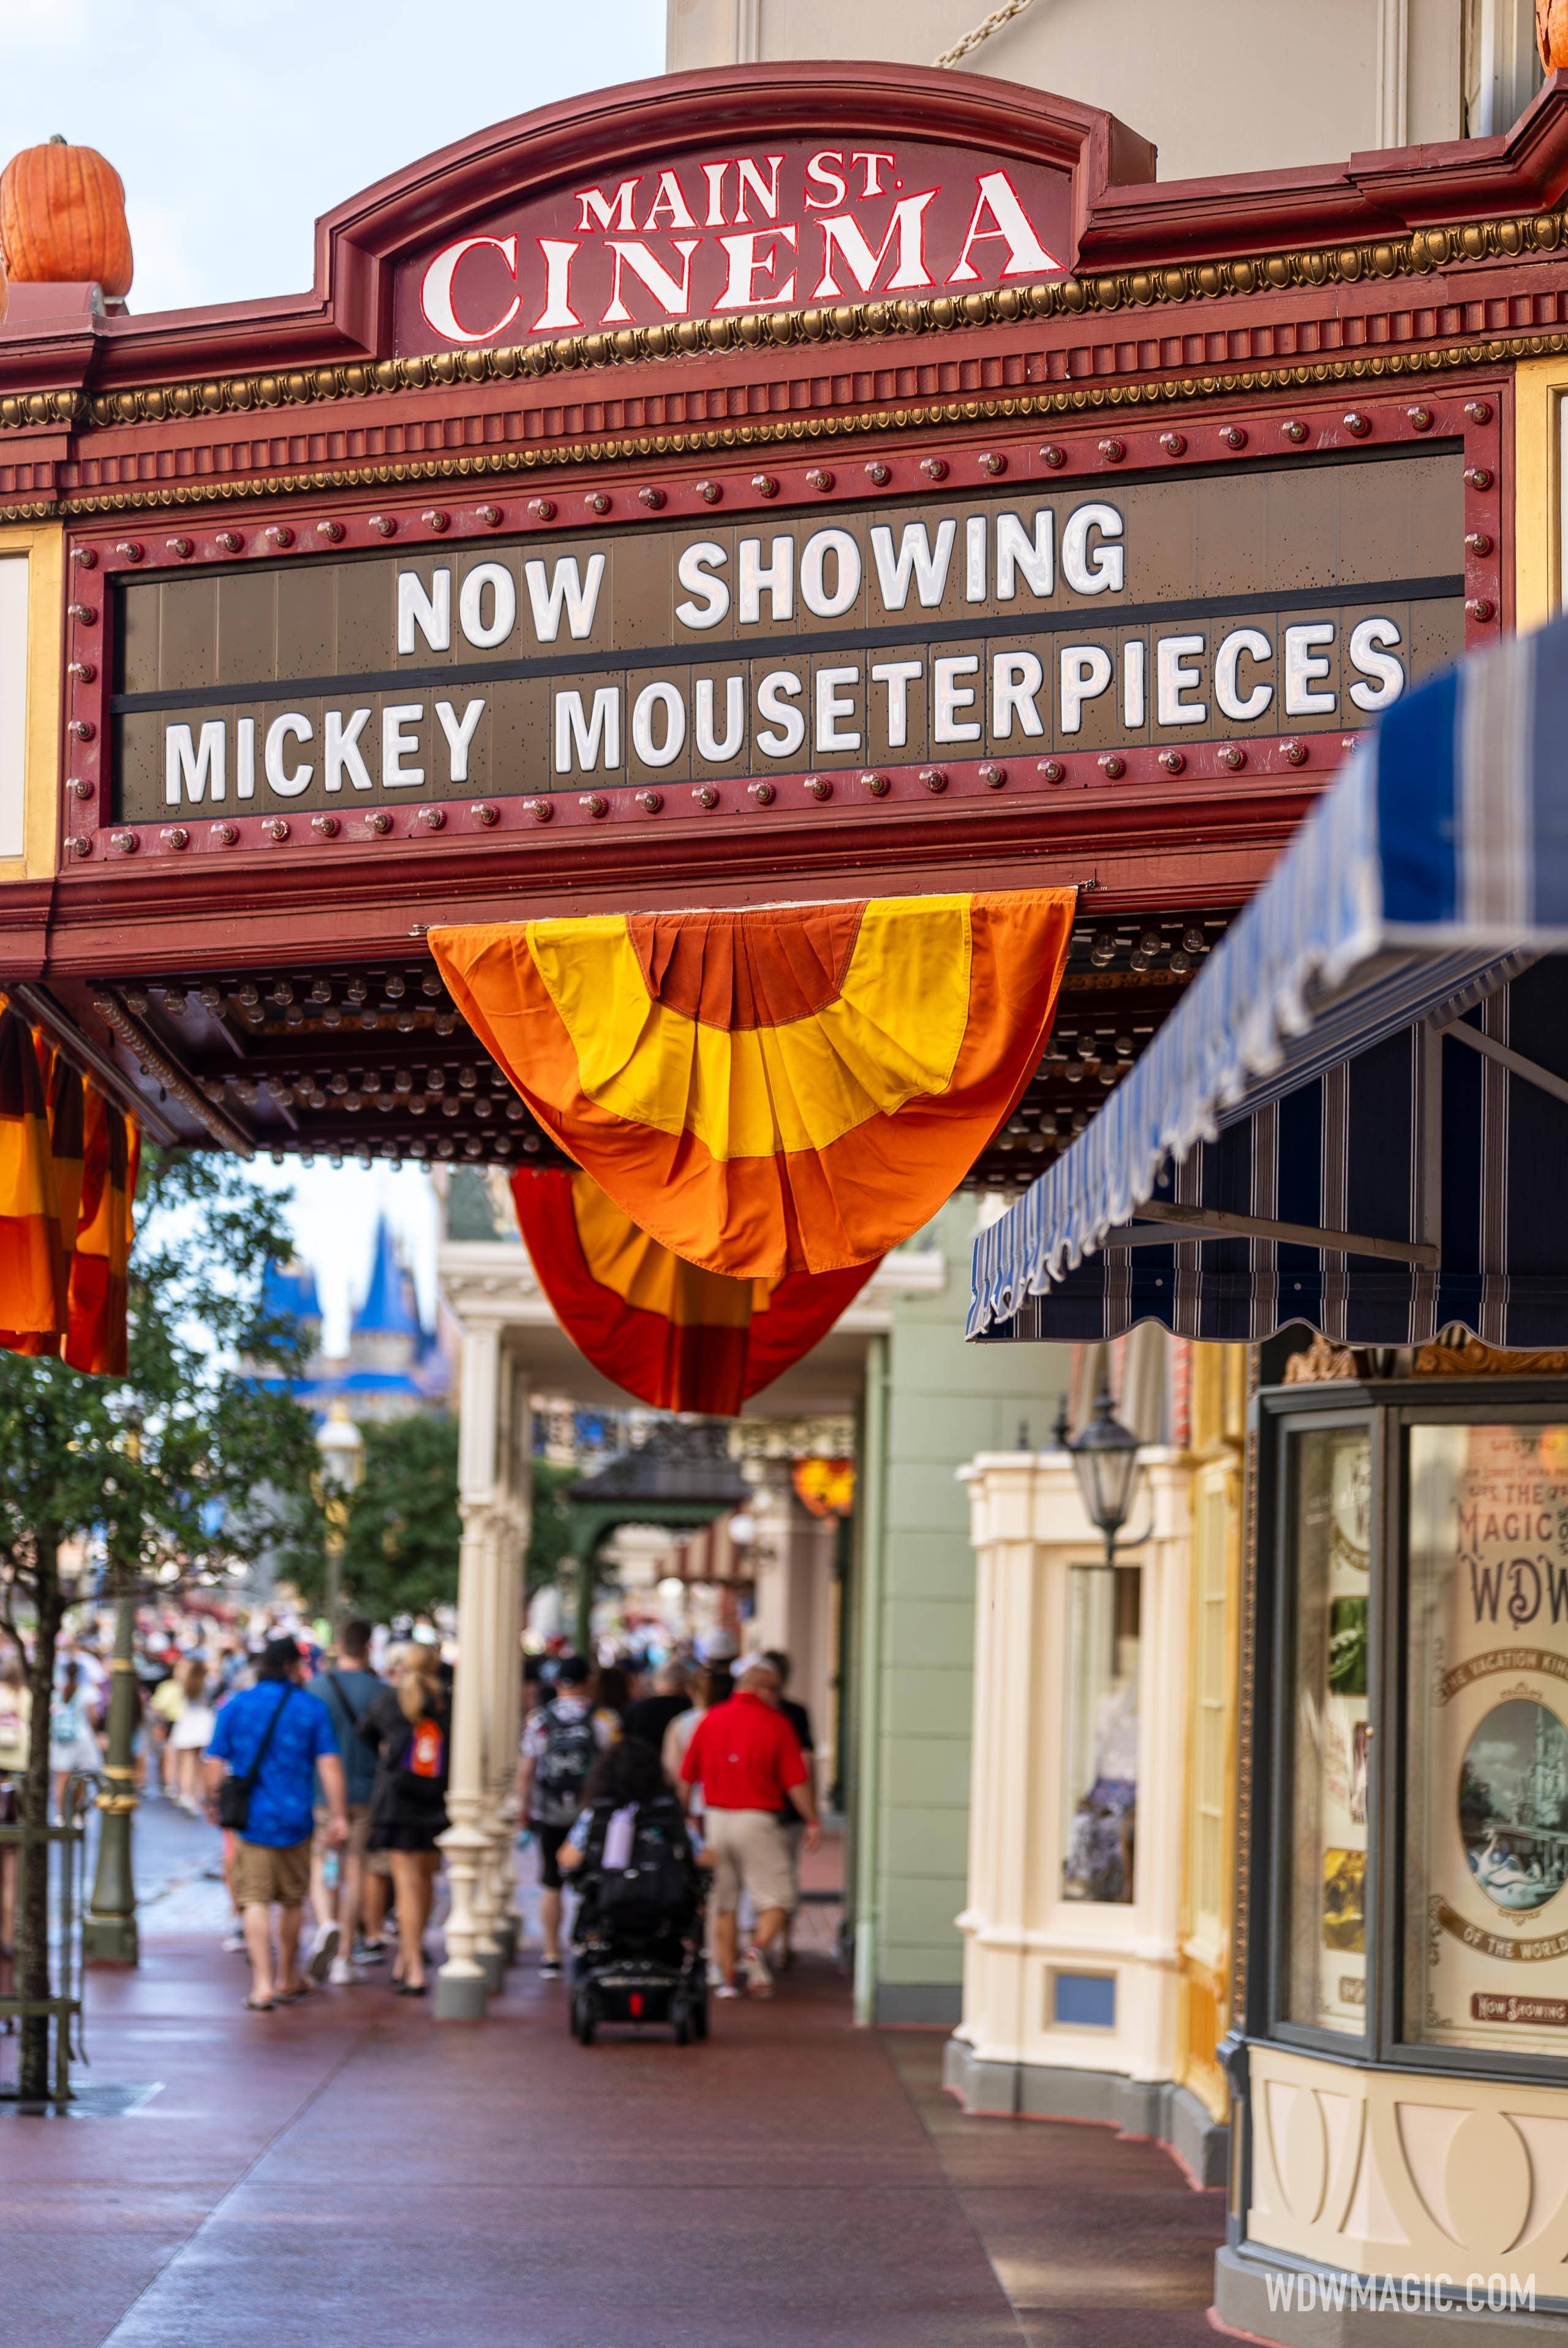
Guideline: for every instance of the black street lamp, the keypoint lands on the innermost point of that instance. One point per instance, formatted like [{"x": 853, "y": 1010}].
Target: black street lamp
[{"x": 1105, "y": 1461}]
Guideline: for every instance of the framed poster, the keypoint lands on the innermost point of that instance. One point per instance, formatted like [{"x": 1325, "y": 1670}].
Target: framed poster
[
  {"x": 1330, "y": 1730},
  {"x": 1486, "y": 1906}
]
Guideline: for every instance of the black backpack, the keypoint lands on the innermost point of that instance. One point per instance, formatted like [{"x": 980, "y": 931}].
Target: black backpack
[
  {"x": 562, "y": 1770},
  {"x": 655, "y": 1887}
]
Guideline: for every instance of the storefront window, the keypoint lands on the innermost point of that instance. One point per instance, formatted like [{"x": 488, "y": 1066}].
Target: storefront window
[
  {"x": 1332, "y": 1737},
  {"x": 1102, "y": 1758},
  {"x": 1487, "y": 1824}
]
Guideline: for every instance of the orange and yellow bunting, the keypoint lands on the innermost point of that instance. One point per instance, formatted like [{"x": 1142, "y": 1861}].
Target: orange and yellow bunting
[
  {"x": 675, "y": 1336},
  {"x": 67, "y": 1180},
  {"x": 95, "y": 1337},
  {"x": 32, "y": 1270},
  {"x": 796, "y": 1088}
]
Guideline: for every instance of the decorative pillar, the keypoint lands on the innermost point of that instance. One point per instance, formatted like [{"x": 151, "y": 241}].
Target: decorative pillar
[
  {"x": 108, "y": 1928},
  {"x": 488, "y": 1894},
  {"x": 1070, "y": 1999},
  {"x": 462, "y": 1993},
  {"x": 507, "y": 1700}
]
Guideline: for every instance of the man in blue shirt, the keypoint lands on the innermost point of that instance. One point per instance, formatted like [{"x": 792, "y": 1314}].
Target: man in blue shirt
[{"x": 276, "y": 1731}]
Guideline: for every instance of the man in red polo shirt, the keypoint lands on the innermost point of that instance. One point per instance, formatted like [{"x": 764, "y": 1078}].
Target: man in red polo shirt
[{"x": 747, "y": 1758}]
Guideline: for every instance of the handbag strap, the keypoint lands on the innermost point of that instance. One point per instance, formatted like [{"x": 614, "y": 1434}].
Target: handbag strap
[
  {"x": 254, "y": 1771},
  {"x": 334, "y": 1681}
]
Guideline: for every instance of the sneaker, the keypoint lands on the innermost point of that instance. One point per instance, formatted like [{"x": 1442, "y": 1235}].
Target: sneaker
[
  {"x": 370, "y": 1953},
  {"x": 323, "y": 1950},
  {"x": 758, "y": 1978},
  {"x": 343, "y": 1973},
  {"x": 726, "y": 1989},
  {"x": 550, "y": 1969},
  {"x": 715, "y": 1977},
  {"x": 233, "y": 1942}
]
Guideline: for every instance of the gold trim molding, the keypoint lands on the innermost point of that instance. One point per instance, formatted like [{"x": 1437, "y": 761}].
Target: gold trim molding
[
  {"x": 1082, "y": 399},
  {"x": 1416, "y": 255}
]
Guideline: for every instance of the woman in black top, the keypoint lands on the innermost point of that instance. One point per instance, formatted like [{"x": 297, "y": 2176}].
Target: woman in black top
[{"x": 410, "y": 1727}]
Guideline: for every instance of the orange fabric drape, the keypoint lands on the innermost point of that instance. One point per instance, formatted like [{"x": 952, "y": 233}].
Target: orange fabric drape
[
  {"x": 31, "y": 1269},
  {"x": 796, "y": 1088},
  {"x": 67, "y": 1182},
  {"x": 675, "y": 1336},
  {"x": 95, "y": 1337}
]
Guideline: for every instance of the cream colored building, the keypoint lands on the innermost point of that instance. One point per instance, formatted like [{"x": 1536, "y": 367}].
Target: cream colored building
[{"x": 1218, "y": 85}]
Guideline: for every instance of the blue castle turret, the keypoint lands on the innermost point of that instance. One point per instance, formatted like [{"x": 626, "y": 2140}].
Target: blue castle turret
[{"x": 395, "y": 1364}]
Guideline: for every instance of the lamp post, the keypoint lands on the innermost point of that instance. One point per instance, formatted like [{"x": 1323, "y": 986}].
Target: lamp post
[
  {"x": 342, "y": 1449},
  {"x": 110, "y": 1934},
  {"x": 1105, "y": 1461}
]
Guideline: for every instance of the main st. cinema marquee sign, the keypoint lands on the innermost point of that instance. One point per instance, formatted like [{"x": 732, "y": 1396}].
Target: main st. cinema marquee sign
[
  {"x": 725, "y": 232},
  {"x": 1026, "y": 624}
]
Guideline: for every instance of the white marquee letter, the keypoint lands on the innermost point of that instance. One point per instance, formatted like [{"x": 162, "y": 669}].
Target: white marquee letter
[
  {"x": 290, "y": 727},
  {"x": 430, "y": 612},
  {"x": 1093, "y": 570},
  {"x": 1086, "y": 673},
  {"x": 198, "y": 766},
  {"x": 1234, "y": 702},
  {"x": 436, "y": 294},
  {"x": 1305, "y": 667},
  {"x": 471, "y": 605}
]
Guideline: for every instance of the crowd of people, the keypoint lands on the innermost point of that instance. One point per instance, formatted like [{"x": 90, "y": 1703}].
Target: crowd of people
[
  {"x": 327, "y": 1770},
  {"x": 723, "y": 1740}
]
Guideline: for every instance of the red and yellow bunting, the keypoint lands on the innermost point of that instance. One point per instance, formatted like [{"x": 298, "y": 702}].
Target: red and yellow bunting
[
  {"x": 32, "y": 1267},
  {"x": 796, "y": 1088},
  {"x": 95, "y": 1333},
  {"x": 674, "y": 1335},
  {"x": 67, "y": 1180}
]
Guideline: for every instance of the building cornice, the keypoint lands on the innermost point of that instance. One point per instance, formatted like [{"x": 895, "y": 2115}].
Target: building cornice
[{"x": 1425, "y": 253}]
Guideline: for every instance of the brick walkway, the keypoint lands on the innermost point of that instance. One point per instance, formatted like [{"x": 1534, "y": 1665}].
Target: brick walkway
[{"x": 347, "y": 2170}]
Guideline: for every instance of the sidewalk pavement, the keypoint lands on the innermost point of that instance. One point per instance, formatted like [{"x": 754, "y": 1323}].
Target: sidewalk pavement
[{"x": 347, "y": 2168}]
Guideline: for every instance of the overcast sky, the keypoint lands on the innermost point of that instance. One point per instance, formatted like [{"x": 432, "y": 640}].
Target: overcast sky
[{"x": 235, "y": 123}]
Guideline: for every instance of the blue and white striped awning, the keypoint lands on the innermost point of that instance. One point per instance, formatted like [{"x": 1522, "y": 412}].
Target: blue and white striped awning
[{"x": 1357, "y": 1115}]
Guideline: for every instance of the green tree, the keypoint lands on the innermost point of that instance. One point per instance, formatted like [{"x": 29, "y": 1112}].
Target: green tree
[
  {"x": 400, "y": 1546},
  {"x": 181, "y": 1468}
]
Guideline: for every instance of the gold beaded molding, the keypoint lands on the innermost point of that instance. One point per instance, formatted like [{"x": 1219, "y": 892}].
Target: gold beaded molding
[
  {"x": 1416, "y": 255},
  {"x": 1082, "y": 399}
]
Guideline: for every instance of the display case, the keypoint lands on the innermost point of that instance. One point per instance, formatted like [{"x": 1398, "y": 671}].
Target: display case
[{"x": 1402, "y": 2057}]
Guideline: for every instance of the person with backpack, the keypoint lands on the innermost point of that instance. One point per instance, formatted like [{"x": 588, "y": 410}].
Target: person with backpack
[
  {"x": 337, "y": 1879},
  {"x": 559, "y": 1745},
  {"x": 632, "y": 1844},
  {"x": 408, "y": 1728},
  {"x": 268, "y": 1743}
]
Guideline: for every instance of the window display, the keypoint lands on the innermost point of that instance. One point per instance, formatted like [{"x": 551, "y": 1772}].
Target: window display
[
  {"x": 1101, "y": 1775},
  {"x": 1487, "y": 1822},
  {"x": 1332, "y": 1735}
]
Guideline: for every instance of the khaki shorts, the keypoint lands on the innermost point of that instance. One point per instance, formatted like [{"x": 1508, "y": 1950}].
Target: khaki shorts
[
  {"x": 264, "y": 1877},
  {"x": 748, "y": 1849},
  {"x": 359, "y": 1833}
]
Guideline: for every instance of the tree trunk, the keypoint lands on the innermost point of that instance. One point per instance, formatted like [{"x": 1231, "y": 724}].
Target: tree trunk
[{"x": 33, "y": 1901}]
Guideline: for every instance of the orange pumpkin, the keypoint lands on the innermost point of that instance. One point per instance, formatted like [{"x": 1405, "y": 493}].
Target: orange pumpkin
[
  {"x": 1552, "y": 33},
  {"x": 62, "y": 218}
]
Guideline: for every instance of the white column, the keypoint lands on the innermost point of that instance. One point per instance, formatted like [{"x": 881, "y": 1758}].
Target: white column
[
  {"x": 487, "y": 1887},
  {"x": 460, "y": 1985},
  {"x": 1021, "y": 1933},
  {"x": 514, "y": 1531}
]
